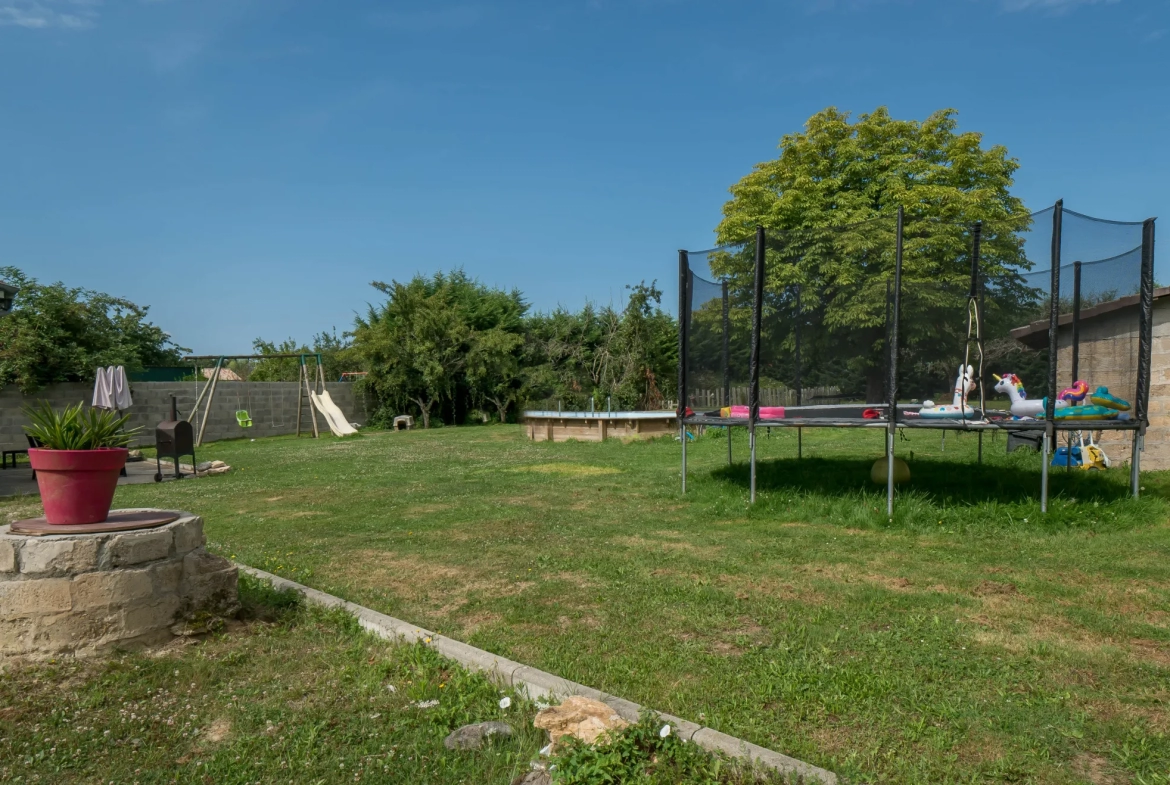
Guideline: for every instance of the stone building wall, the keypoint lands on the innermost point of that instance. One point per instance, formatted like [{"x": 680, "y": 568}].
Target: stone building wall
[
  {"x": 272, "y": 406},
  {"x": 1108, "y": 357}
]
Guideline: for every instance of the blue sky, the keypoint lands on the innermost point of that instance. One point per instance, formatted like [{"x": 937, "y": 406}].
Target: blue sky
[{"x": 247, "y": 167}]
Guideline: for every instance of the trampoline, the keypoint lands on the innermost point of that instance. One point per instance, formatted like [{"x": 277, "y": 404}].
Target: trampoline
[{"x": 936, "y": 304}]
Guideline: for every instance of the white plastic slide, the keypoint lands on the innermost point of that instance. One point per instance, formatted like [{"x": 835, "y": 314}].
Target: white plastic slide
[{"x": 334, "y": 416}]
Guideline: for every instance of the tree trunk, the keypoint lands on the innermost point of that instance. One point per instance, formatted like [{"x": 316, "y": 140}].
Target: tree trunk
[
  {"x": 875, "y": 383},
  {"x": 502, "y": 406},
  {"x": 425, "y": 409}
]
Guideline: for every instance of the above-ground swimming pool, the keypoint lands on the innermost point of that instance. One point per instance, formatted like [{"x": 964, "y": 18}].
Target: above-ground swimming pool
[{"x": 548, "y": 426}]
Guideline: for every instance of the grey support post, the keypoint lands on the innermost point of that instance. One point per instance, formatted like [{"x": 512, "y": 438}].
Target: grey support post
[
  {"x": 892, "y": 414},
  {"x": 757, "y": 321}
]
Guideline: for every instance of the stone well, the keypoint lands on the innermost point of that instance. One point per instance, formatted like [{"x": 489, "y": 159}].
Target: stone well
[{"x": 81, "y": 593}]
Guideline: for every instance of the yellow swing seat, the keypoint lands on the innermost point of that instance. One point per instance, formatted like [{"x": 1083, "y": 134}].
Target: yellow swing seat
[{"x": 243, "y": 419}]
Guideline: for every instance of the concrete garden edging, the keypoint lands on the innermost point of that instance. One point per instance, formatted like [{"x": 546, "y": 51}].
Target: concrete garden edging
[{"x": 539, "y": 685}]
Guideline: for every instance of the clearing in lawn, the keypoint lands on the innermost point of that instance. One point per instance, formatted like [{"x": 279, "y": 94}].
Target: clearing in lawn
[{"x": 970, "y": 639}]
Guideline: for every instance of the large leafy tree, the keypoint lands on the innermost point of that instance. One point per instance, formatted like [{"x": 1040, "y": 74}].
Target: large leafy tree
[
  {"x": 57, "y": 333},
  {"x": 828, "y": 204},
  {"x": 436, "y": 341},
  {"x": 628, "y": 356},
  {"x": 337, "y": 357}
]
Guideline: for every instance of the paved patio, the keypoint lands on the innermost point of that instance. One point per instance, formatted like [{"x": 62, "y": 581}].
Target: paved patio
[{"x": 20, "y": 482}]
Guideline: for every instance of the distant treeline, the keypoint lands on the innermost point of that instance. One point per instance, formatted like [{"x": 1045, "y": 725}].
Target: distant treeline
[{"x": 447, "y": 348}]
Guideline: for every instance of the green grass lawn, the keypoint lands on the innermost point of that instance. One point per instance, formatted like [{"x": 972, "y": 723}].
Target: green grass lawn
[
  {"x": 971, "y": 639},
  {"x": 290, "y": 693}
]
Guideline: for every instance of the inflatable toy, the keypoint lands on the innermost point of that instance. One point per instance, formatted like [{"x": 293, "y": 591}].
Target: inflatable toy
[
  {"x": 1010, "y": 385},
  {"x": 1086, "y": 413},
  {"x": 1101, "y": 397},
  {"x": 741, "y": 412},
  {"x": 1076, "y": 393},
  {"x": 964, "y": 384}
]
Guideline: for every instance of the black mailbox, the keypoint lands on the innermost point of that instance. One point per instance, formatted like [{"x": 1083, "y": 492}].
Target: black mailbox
[{"x": 173, "y": 438}]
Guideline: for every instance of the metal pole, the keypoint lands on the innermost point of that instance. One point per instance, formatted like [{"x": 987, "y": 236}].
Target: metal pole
[
  {"x": 754, "y": 388},
  {"x": 1135, "y": 464},
  {"x": 752, "y": 460},
  {"x": 683, "y": 301},
  {"x": 1145, "y": 339},
  {"x": 1044, "y": 470},
  {"x": 799, "y": 363},
  {"x": 1076, "y": 322},
  {"x": 300, "y": 394},
  {"x": 727, "y": 361},
  {"x": 892, "y": 415},
  {"x": 1145, "y": 333},
  {"x": 977, "y": 297},
  {"x": 1053, "y": 348},
  {"x": 799, "y": 380}
]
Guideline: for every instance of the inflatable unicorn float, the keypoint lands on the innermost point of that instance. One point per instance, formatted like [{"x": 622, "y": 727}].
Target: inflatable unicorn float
[
  {"x": 1069, "y": 404},
  {"x": 958, "y": 409}
]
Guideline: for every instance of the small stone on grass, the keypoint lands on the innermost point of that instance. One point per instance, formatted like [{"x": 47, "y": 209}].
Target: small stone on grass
[{"x": 472, "y": 737}]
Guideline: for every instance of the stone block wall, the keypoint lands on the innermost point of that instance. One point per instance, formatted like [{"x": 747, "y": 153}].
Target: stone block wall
[
  {"x": 272, "y": 406},
  {"x": 78, "y": 594},
  {"x": 1109, "y": 357}
]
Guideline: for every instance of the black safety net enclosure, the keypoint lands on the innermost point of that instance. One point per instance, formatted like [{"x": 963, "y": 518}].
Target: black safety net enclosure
[
  {"x": 1094, "y": 287},
  {"x": 715, "y": 342},
  {"x": 925, "y": 318},
  {"x": 825, "y": 322}
]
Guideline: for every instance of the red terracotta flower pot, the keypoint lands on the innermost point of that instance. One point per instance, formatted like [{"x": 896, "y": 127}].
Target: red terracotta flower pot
[{"x": 77, "y": 486}]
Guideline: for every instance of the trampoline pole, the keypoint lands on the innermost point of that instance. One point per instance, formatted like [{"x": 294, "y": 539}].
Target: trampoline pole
[
  {"x": 684, "y": 302},
  {"x": 1135, "y": 464},
  {"x": 1044, "y": 473},
  {"x": 726, "y": 359},
  {"x": 752, "y": 441},
  {"x": 981, "y": 447},
  {"x": 890, "y": 474}
]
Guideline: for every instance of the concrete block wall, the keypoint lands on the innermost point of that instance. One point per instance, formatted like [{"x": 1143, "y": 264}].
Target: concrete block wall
[
  {"x": 272, "y": 406},
  {"x": 1109, "y": 357},
  {"x": 1157, "y": 448}
]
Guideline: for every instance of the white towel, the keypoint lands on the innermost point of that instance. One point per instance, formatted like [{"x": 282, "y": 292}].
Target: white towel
[
  {"x": 122, "y": 399},
  {"x": 103, "y": 389},
  {"x": 111, "y": 390}
]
